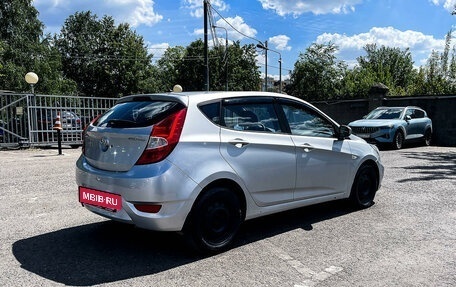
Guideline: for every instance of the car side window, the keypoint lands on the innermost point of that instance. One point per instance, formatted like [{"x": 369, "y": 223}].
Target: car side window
[
  {"x": 410, "y": 112},
  {"x": 419, "y": 114},
  {"x": 211, "y": 111},
  {"x": 304, "y": 121},
  {"x": 252, "y": 115}
]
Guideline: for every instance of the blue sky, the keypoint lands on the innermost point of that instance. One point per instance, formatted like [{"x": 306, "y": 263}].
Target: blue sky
[{"x": 289, "y": 26}]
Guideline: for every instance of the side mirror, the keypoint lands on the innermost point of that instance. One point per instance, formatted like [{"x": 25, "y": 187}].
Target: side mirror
[
  {"x": 344, "y": 132},
  {"x": 408, "y": 118}
]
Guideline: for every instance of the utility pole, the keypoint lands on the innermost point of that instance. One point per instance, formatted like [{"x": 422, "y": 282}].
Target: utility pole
[
  {"x": 206, "y": 53},
  {"x": 265, "y": 48},
  {"x": 266, "y": 66}
]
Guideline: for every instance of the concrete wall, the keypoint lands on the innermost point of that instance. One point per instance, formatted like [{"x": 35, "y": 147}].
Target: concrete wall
[{"x": 441, "y": 109}]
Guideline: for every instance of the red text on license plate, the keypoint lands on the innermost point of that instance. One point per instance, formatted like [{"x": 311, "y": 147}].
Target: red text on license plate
[{"x": 100, "y": 198}]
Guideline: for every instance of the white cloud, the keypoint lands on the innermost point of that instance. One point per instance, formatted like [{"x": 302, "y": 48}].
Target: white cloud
[
  {"x": 447, "y": 4},
  {"x": 298, "y": 7},
  {"x": 420, "y": 45},
  {"x": 239, "y": 24},
  {"x": 134, "y": 12},
  {"x": 143, "y": 12},
  {"x": 280, "y": 42},
  {"x": 241, "y": 29},
  {"x": 157, "y": 49},
  {"x": 196, "y": 7}
]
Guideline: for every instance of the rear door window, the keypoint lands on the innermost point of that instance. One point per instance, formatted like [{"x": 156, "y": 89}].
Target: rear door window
[
  {"x": 137, "y": 114},
  {"x": 250, "y": 114},
  {"x": 418, "y": 114}
]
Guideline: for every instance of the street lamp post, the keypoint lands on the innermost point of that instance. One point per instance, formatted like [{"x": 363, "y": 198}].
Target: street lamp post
[
  {"x": 31, "y": 79},
  {"x": 266, "y": 49},
  {"x": 226, "y": 54}
]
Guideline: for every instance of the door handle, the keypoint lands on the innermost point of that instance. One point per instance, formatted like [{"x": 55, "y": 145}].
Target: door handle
[
  {"x": 306, "y": 147},
  {"x": 239, "y": 143}
]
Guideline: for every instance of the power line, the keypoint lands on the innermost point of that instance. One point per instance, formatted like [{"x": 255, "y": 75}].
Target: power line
[{"x": 226, "y": 21}]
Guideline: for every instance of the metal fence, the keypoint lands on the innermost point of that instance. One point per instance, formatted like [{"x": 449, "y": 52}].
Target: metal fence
[{"x": 28, "y": 120}]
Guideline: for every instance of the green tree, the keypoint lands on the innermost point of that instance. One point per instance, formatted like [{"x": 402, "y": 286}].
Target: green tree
[
  {"x": 356, "y": 83},
  {"x": 185, "y": 66},
  {"x": 104, "y": 59},
  {"x": 168, "y": 68},
  {"x": 243, "y": 73},
  {"x": 24, "y": 49},
  {"x": 434, "y": 80},
  {"x": 438, "y": 76},
  {"x": 191, "y": 68},
  {"x": 317, "y": 74},
  {"x": 452, "y": 72},
  {"x": 390, "y": 66},
  {"x": 20, "y": 32}
]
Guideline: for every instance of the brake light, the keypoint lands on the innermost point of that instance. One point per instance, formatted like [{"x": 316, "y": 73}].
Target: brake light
[{"x": 163, "y": 138}]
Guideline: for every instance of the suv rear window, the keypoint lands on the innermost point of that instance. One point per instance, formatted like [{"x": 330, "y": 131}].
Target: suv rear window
[{"x": 137, "y": 114}]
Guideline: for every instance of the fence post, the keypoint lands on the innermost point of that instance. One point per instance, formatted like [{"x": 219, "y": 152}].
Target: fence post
[{"x": 377, "y": 93}]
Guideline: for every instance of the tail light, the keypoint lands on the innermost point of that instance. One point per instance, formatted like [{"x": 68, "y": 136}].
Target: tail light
[{"x": 163, "y": 138}]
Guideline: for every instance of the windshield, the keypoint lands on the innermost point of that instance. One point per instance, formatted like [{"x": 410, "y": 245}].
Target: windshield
[{"x": 388, "y": 114}]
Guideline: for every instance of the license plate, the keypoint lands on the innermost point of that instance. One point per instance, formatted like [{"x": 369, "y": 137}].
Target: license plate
[{"x": 100, "y": 198}]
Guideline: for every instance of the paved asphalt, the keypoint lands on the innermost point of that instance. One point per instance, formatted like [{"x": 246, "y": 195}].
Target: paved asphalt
[{"x": 408, "y": 238}]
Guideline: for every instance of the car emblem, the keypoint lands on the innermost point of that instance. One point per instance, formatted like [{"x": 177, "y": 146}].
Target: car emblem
[{"x": 104, "y": 144}]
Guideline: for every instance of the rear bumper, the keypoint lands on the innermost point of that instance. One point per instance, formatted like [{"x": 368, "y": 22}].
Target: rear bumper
[{"x": 161, "y": 183}]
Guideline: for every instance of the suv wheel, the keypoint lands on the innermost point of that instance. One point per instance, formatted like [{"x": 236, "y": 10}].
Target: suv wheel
[
  {"x": 398, "y": 140},
  {"x": 214, "y": 221},
  {"x": 427, "y": 137}
]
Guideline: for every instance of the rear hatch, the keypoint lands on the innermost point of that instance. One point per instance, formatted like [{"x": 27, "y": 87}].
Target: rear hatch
[{"x": 118, "y": 139}]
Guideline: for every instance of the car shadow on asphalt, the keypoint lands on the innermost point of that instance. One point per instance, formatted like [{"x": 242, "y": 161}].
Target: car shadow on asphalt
[{"x": 108, "y": 251}]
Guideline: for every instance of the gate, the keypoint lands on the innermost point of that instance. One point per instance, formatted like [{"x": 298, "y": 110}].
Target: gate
[{"x": 28, "y": 120}]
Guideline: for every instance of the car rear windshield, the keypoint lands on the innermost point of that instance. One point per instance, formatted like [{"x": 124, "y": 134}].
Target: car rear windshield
[{"x": 137, "y": 114}]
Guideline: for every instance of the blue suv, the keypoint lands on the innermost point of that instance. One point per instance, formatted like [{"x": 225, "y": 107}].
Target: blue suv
[{"x": 394, "y": 126}]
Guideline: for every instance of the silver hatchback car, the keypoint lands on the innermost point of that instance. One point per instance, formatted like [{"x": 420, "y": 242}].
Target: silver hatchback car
[{"x": 204, "y": 162}]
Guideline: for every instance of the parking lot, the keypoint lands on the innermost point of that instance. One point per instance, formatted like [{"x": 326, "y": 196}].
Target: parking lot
[{"x": 408, "y": 238}]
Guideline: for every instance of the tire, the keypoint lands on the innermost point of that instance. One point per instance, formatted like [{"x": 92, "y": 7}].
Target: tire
[
  {"x": 398, "y": 140},
  {"x": 214, "y": 221},
  {"x": 427, "y": 137},
  {"x": 364, "y": 187}
]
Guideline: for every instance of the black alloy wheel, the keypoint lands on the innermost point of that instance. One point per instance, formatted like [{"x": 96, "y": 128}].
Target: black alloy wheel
[
  {"x": 214, "y": 221},
  {"x": 364, "y": 187}
]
